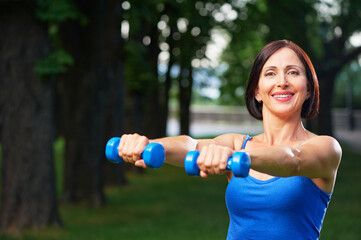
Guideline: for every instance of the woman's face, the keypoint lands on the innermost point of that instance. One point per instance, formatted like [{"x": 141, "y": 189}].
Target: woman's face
[{"x": 282, "y": 85}]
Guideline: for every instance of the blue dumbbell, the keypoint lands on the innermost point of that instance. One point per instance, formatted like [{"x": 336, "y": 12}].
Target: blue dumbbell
[
  {"x": 153, "y": 155},
  {"x": 239, "y": 164}
]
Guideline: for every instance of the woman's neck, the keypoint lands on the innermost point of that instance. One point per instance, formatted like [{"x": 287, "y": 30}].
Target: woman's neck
[{"x": 278, "y": 131}]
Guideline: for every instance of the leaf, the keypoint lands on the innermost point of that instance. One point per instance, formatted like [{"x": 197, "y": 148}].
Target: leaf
[
  {"x": 56, "y": 62},
  {"x": 57, "y": 11}
]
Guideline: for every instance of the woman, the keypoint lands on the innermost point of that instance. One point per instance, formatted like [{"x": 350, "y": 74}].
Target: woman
[{"x": 293, "y": 171}]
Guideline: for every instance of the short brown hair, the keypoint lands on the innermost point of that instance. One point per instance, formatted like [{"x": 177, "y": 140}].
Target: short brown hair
[{"x": 310, "y": 106}]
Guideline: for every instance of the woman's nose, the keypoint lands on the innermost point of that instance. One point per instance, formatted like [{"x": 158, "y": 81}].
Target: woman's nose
[{"x": 282, "y": 81}]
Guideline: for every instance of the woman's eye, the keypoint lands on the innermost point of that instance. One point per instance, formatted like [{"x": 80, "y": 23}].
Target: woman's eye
[
  {"x": 269, "y": 74},
  {"x": 293, "y": 72}
]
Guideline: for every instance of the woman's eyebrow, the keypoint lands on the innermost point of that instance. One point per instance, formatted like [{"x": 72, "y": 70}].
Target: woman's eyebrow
[
  {"x": 270, "y": 67},
  {"x": 288, "y": 66},
  {"x": 291, "y": 66}
]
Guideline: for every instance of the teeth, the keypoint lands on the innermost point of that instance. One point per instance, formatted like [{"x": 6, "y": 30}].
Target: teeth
[{"x": 283, "y": 95}]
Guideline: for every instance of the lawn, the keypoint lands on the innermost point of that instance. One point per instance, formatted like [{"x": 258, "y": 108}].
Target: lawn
[{"x": 168, "y": 204}]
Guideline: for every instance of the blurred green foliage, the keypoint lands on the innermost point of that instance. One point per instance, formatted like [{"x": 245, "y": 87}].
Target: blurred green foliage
[
  {"x": 53, "y": 64},
  {"x": 57, "y": 11},
  {"x": 260, "y": 22},
  {"x": 321, "y": 28},
  {"x": 351, "y": 74},
  {"x": 54, "y": 13}
]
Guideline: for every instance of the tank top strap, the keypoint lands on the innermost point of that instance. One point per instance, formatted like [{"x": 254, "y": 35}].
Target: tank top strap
[{"x": 246, "y": 140}]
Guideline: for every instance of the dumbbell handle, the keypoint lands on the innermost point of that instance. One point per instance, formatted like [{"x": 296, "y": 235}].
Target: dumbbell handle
[
  {"x": 153, "y": 154},
  {"x": 239, "y": 164}
]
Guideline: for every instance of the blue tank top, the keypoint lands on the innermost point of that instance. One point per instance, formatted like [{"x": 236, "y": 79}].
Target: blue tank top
[{"x": 278, "y": 208}]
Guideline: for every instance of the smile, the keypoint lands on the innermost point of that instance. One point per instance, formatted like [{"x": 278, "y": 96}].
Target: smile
[{"x": 283, "y": 97}]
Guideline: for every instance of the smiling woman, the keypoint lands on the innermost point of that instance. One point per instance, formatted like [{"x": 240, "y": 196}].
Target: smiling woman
[
  {"x": 282, "y": 88},
  {"x": 303, "y": 68},
  {"x": 290, "y": 171}
]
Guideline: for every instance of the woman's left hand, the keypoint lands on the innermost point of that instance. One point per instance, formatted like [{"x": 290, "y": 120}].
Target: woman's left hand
[{"x": 213, "y": 159}]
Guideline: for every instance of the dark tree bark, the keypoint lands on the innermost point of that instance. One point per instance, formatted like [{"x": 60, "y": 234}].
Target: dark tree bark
[
  {"x": 166, "y": 94},
  {"x": 168, "y": 9},
  {"x": 28, "y": 184},
  {"x": 154, "y": 100},
  {"x": 144, "y": 91},
  {"x": 113, "y": 174},
  {"x": 185, "y": 97},
  {"x": 93, "y": 91},
  {"x": 324, "y": 118},
  {"x": 334, "y": 60}
]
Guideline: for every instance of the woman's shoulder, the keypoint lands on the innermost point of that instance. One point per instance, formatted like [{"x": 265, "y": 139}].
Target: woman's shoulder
[
  {"x": 327, "y": 145},
  {"x": 232, "y": 135},
  {"x": 323, "y": 140},
  {"x": 231, "y": 139}
]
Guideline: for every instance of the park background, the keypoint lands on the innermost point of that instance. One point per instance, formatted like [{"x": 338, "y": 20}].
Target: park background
[{"x": 75, "y": 73}]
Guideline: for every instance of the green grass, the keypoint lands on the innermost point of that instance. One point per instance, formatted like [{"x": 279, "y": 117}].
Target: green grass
[
  {"x": 59, "y": 156},
  {"x": 343, "y": 218},
  {"x": 168, "y": 204},
  {"x": 161, "y": 204}
]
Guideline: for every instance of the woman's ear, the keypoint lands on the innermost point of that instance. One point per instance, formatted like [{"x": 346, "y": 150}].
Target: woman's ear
[{"x": 257, "y": 96}]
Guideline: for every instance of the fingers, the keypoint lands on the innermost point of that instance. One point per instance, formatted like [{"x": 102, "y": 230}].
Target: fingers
[
  {"x": 203, "y": 174},
  {"x": 131, "y": 147},
  {"x": 139, "y": 148},
  {"x": 213, "y": 159},
  {"x": 140, "y": 163}
]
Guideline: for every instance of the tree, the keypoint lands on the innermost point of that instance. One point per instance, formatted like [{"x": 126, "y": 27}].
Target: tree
[
  {"x": 189, "y": 28},
  {"x": 28, "y": 184},
  {"x": 324, "y": 36},
  {"x": 335, "y": 32},
  {"x": 92, "y": 96},
  {"x": 141, "y": 49},
  {"x": 163, "y": 34}
]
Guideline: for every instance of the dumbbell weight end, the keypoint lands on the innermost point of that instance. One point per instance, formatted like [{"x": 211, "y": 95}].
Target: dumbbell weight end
[
  {"x": 239, "y": 164},
  {"x": 153, "y": 155}
]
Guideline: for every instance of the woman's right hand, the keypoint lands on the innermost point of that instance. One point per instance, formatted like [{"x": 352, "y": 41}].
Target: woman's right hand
[{"x": 131, "y": 147}]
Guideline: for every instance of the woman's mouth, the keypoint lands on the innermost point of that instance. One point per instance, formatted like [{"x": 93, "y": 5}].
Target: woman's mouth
[{"x": 283, "y": 96}]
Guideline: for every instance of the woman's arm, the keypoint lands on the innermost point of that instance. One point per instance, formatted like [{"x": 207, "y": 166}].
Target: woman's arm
[
  {"x": 318, "y": 157},
  {"x": 214, "y": 153},
  {"x": 176, "y": 148},
  {"x": 132, "y": 145}
]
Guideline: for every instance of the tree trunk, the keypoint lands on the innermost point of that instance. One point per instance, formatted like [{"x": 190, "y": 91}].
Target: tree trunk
[
  {"x": 91, "y": 87},
  {"x": 167, "y": 83},
  {"x": 324, "y": 118},
  {"x": 185, "y": 96},
  {"x": 28, "y": 183},
  {"x": 349, "y": 103},
  {"x": 166, "y": 86},
  {"x": 113, "y": 174},
  {"x": 165, "y": 105},
  {"x": 144, "y": 111},
  {"x": 153, "y": 123}
]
